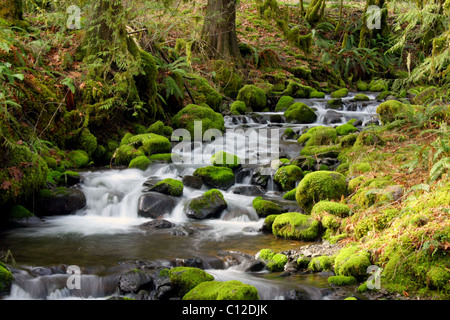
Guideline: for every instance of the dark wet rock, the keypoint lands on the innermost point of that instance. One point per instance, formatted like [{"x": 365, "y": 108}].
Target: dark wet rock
[
  {"x": 182, "y": 230},
  {"x": 135, "y": 280},
  {"x": 154, "y": 205},
  {"x": 358, "y": 123},
  {"x": 60, "y": 201},
  {"x": 151, "y": 182},
  {"x": 157, "y": 224},
  {"x": 236, "y": 213},
  {"x": 332, "y": 117},
  {"x": 252, "y": 190},
  {"x": 209, "y": 205},
  {"x": 297, "y": 294},
  {"x": 192, "y": 182},
  {"x": 276, "y": 118},
  {"x": 189, "y": 262}
]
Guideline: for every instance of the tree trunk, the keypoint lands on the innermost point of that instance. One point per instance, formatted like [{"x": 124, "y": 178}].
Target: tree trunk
[
  {"x": 366, "y": 34},
  {"x": 219, "y": 31},
  {"x": 11, "y": 10}
]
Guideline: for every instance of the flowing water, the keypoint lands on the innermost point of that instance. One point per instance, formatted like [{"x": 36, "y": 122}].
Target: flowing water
[{"x": 104, "y": 239}]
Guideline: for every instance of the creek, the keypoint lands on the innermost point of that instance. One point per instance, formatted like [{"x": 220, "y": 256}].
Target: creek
[{"x": 105, "y": 240}]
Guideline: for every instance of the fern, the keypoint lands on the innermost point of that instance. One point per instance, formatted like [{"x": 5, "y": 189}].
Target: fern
[{"x": 439, "y": 168}]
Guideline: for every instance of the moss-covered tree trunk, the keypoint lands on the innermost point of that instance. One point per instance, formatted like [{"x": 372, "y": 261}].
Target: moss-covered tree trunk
[
  {"x": 11, "y": 10},
  {"x": 315, "y": 11},
  {"x": 219, "y": 30},
  {"x": 366, "y": 33}
]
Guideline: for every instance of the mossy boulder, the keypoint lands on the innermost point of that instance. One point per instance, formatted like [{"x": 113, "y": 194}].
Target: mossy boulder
[
  {"x": 288, "y": 176},
  {"x": 59, "y": 201},
  {"x": 141, "y": 162},
  {"x": 78, "y": 158},
  {"x": 275, "y": 262},
  {"x": 389, "y": 110},
  {"x": 341, "y": 281},
  {"x": 321, "y": 151},
  {"x": 133, "y": 146},
  {"x": 300, "y": 113},
  {"x": 335, "y": 103},
  {"x": 297, "y": 90},
  {"x": 352, "y": 261},
  {"x": 238, "y": 108},
  {"x": 362, "y": 86},
  {"x": 345, "y": 129},
  {"x": 348, "y": 141},
  {"x": 368, "y": 138},
  {"x": 169, "y": 186},
  {"x": 317, "y": 95},
  {"x": 227, "y": 79},
  {"x": 320, "y": 135},
  {"x": 268, "y": 222},
  {"x": 216, "y": 177},
  {"x": 184, "y": 279},
  {"x": 204, "y": 93},
  {"x": 186, "y": 117},
  {"x": 378, "y": 85},
  {"x": 318, "y": 186},
  {"x": 295, "y": 226},
  {"x": 6, "y": 279},
  {"x": 254, "y": 98},
  {"x": 216, "y": 290},
  {"x": 209, "y": 205},
  {"x": 361, "y": 97},
  {"x": 284, "y": 103},
  {"x": 290, "y": 195},
  {"x": 338, "y": 94},
  {"x": 266, "y": 208},
  {"x": 19, "y": 212},
  {"x": 322, "y": 263},
  {"x": 334, "y": 208},
  {"x": 225, "y": 159}
]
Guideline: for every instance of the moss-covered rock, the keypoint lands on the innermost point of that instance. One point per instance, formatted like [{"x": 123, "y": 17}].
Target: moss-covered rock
[
  {"x": 321, "y": 151},
  {"x": 362, "y": 86},
  {"x": 318, "y": 186},
  {"x": 171, "y": 187},
  {"x": 338, "y": 94},
  {"x": 184, "y": 279},
  {"x": 345, "y": 129},
  {"x": 225, "y": 159},
  {"x": 296, "y": 226},
  {"x": 321, "y": 135},
  {"x": 226, "y": 77},
  {"x": 145, "y": 144},
  {"x": 204, "y": 93},
  {"x": 254, "y": 98},
  {"x": 334, "y": 103},
  {"x": 317, "y": 95},
  {"x": 368, "y": 138},
  {"x": 284, "y": 103},
  {"x": 209, "y": 205},
  {"x": 266, "y": 208},
  {"x": 341, "y": 281},
  {"x": 297, "y": 90},
  {"x": 322, "y": 263},
  {"x": 78, "y": 158},
  {"x": 19, "y": 212},
  {"x": 352, "y": 261},
  {"x": 268, "y": 222},
  {"x": 216, "y": 177},
  {"x": 300, "y": 113},
  {"x": 334, "y": 208},
  {"x": 6, "y": 279},
  {"x": 216, "y": 290},
  {"x": 288, "y": 176},
  {"x": 361, "y": 97},
  {"x": 378, "y": 85},
  {"x": 210, "y": 119},
  {"x": 389, "y": 110},
  {"x": 238, "y": 108},
  {"x": 348, "y": 141},
  {"x": 290, "y": 195},
  {"x": 141, "y": 162}
]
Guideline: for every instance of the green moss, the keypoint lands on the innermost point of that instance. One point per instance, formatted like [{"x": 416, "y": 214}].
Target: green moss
[
  {"x": 229, "y": 290},
  {"x": 322, "y": 263},
  {"x": 216, "y": 177},
  {"x": 266, "y": 254},
  {"x": 303, "y": 139},
  {"x": 288, "y": 176},
  {"x": 225, "y": 159},
  {"x": 334, "y": 103},
  {"x": 265, "y": 208},
  {"x": 185, "y": 279},
  {"x": 330, "y": 222},
  {"x": 300, "y": 113},
  {"x": 6, "y": 279},
  {"x": 362, "y": 86},
  {"x": 186, "y": 117},
  {"x": 141, "y": 162},
  {"x": 296, "y": 226},
  {"x": 321, "y": 151},
  {"x": 284, "y": 103},
  {"x": 297, "y": 90},
  {"x": 378, "y": 85},
  {"x": 268, "y": 221},
  {"x": 238, "y": 108},
  {"x": 389, "y": 110},
  {"x": 301, "y": 72},
  {"x": 170, "y": 187},
  {"x": 253, "y": 97},
  {"x": 361, "y": 97},
  {"x": 227, "y": 78},
  {"x": 126, "y": 153},
  {"x": 341, "y": 281},
  {"x": 361, "y": 167},
  {"x": 277, "y": 262},
  {"x": 354, "y": 183},
  {"x": 156, "y": 127},
  {"x": 197, "y": 205},
  {"x": 148, "y": 143},
  {"x": 78, "y": 158},
  {"x": 290, "y": 195},
  {"x": 317, "y": 95},
  {"x": 338, "y": 94},
  {"x": 321, "y": 135},
  {"x": 209, "y": 95},
  {"x": 318, "y": 186},
  {"x": 345, "y": 129},
  {"x": 18, "y": 212},
  {"x": 368, "y": 138},
  {"x": 163, "y": 157},
  {"x": 352, "y": 261},
  {"x": 334, "y": 208},
  {"x": 348, "y": 141}
]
